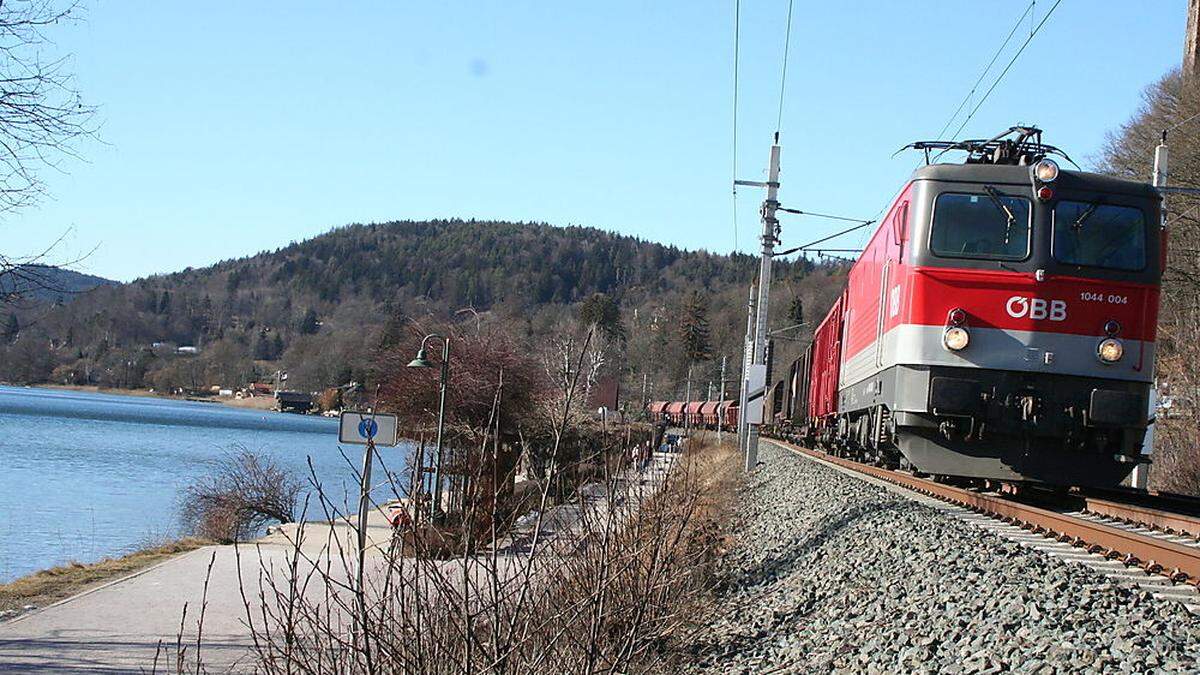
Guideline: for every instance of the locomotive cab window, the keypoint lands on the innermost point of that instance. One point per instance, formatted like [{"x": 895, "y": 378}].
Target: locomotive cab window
[
  {"x": 990, "y": 226},
  {"x": 1100, "y": 235}
]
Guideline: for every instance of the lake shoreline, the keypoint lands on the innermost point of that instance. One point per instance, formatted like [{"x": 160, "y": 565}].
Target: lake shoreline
[
  {"x": 97, "y": 473},
  {"x": 264, "y": 403}
]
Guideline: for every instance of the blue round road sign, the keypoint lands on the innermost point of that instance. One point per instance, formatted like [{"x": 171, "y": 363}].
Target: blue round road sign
[{"x": 367, "y": 428}]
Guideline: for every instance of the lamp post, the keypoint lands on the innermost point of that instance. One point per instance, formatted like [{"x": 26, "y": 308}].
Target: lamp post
[{"x": 422, "y": 362}]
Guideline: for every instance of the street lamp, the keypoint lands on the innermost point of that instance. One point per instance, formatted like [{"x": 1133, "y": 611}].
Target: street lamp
[{"x": 422, "y": 362}]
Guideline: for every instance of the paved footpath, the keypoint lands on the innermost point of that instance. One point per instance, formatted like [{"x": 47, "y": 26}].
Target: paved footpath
[{"x": 119, "y": 627}]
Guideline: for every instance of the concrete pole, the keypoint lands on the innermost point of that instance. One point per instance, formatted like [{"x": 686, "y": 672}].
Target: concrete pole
[
  {"x": 770, "y": 235},
  {"x": 1161, "y": 162},
  {"x": 721, "y": 398},
  {"x": 687, "y": 417},
  {"x": 1140, "y": 477},
  {"x": 746, "y": 352}
]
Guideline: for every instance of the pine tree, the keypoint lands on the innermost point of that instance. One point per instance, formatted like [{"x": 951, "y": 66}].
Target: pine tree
[
  {"x": 309, "y": 323},
  {"x": 12, "y": 328},
  {"x": 602, "y": 311},
  {"x": 263, "y": 349},
  {"x": 693, "y": 329},
  {"x": 395, "y": 329},
  {"x": 796, "y": 311}
]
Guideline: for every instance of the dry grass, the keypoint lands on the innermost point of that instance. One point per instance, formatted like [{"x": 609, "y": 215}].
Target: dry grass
[
  {"x": 717, "y": 471},
  {"x": 48, "y": 586}
]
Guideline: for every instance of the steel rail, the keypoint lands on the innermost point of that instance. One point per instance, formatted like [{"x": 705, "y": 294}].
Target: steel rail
[
  {"x": 1152, "y": 499},
  {"x": 1155, "y": 555},
  {"x": 1136, "y": 514}
]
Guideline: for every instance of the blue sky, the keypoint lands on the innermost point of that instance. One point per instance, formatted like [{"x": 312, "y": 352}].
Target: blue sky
[{"x": 230, "y": 128}]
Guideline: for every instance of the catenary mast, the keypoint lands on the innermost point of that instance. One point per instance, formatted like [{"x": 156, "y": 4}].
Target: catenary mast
[{"x": 770, "y": 236}]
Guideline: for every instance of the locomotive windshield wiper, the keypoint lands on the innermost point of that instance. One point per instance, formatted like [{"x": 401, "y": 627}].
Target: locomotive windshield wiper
[
  {"x": 994, "y": 195},
  {"x": 1087, "y": 213}
]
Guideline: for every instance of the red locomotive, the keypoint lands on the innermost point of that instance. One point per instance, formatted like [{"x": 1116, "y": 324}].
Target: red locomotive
[{"x": 1000, "y": 324}]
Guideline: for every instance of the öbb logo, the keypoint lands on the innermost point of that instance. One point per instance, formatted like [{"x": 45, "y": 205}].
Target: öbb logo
[{"x": 1036, "y": 308}]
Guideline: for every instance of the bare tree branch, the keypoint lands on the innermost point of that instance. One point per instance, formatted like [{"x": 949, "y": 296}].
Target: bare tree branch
[{"x": 42, "y": 120}]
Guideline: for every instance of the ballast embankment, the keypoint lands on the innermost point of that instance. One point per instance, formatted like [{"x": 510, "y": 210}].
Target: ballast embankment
[{"x": 828, "y": 571}]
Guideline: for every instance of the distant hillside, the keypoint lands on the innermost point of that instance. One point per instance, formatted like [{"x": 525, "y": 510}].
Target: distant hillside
[
  {"x": 47, "y": 283},
  {"x": 319, "y": 307}
]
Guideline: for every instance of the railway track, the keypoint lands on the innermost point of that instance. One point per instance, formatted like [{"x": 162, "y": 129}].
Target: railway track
[
  {"x": 1134, "y": 534},
  {"x": 1175, "y": 515}
]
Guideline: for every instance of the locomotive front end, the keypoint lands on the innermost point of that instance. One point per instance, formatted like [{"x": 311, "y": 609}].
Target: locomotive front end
[{"x": 1020, "y": 329}]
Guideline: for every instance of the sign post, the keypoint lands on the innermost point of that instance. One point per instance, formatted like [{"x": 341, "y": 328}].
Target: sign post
[
  {"x": 360, "y": 428},
  {"x": 756, "y": 389},
  {"x": 369, "y": 429}
]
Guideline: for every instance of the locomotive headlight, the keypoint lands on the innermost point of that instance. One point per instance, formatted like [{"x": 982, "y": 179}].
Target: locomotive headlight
[
  {"x": 1110, "y": 350},
  {"x": 956, "y": 338},
  {"x": 1045, "y": 171}
]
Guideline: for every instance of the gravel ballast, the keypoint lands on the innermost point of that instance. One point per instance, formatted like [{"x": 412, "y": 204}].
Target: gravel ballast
[{"x": 829, "y": 572}]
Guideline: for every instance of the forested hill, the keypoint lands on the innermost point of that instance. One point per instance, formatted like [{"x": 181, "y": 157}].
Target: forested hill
[
  {"x": 472, "y": 263},
  {"x": 318, "y": 307},
  {"x": 47, "y": 283}
]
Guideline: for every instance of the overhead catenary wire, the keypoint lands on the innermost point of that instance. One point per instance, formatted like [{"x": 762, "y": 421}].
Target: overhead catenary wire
[
  {"x": 986, "y": 70},
  {"x": 822, "y": 251},
  {"x": 798, "y": 212},
  {"x": 1029, "y": 11},
  {"x": 737, "y": 14},
  {"x": 1032, "y": 32},
  {"x": 1173, "y": 127},
  {"x": 822, "y": 254},
  {"x": 809, "y": 245},
  {"x": 787, "y": 41},
  {"x": 1008, "y": 67}
]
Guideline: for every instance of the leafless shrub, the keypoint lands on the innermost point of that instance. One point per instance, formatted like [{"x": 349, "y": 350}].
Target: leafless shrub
[
  {"x": 244, "y": 492},
  {"x": 42, "y": 118}
]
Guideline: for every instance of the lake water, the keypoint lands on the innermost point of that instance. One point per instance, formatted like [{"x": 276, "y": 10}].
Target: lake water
[{"x": 84, "y": 476}]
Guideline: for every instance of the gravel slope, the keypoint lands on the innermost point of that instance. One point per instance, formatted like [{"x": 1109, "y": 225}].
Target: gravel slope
[{"x": 828, "y": 572}]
